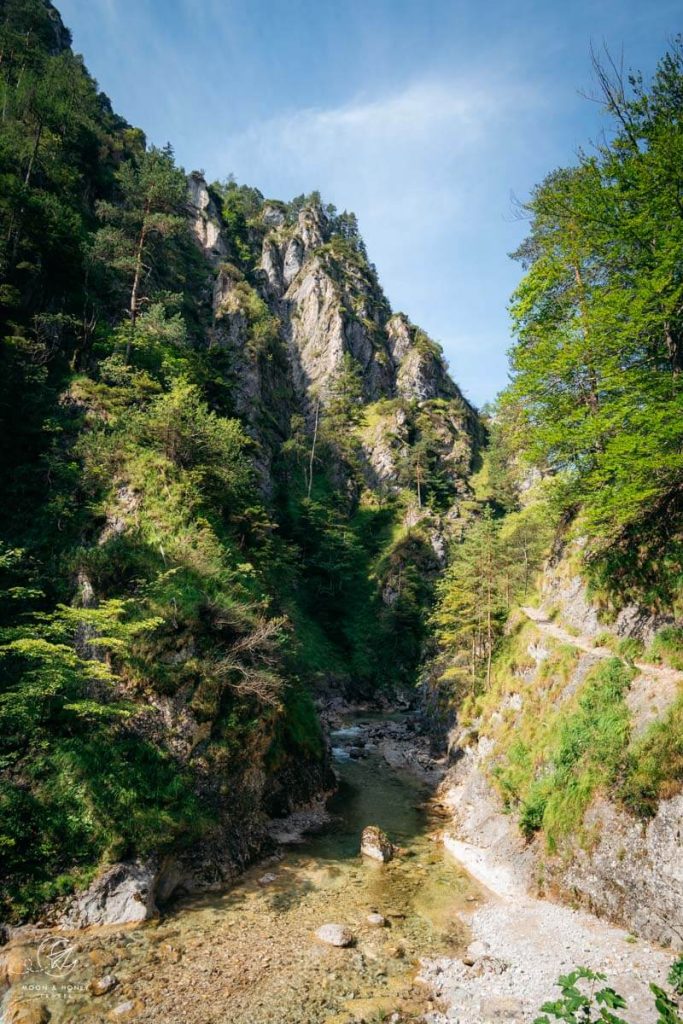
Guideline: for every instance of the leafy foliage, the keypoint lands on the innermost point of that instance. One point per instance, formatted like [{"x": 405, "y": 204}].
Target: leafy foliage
[
  {"x": 598, "y": 316},
  {"x": 576, "y": 1006},
  {"x": 675, "y": 977}
]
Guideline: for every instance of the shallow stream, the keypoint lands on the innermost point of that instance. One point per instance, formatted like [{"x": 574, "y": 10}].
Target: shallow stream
[{"x": 250, "y": 956}]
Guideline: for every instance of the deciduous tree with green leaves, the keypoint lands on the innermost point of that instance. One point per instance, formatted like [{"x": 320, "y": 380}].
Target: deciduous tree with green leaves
[{"x": 598, "y": 318}]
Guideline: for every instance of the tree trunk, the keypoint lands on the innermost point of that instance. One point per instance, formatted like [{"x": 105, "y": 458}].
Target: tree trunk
[
  {"x": 315, "y": 438},
  {"x": 136, "y": 288},
  {"x": 674, "y": 349},
  {"x": 15, "y": 228},
  {"x": 34, "y": 154}
]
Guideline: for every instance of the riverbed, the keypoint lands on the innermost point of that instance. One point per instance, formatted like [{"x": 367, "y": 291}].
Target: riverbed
[{"x": 250, "y": 956}]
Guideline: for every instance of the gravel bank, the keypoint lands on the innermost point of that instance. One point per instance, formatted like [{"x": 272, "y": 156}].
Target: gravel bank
[{"x": 529, "y": 942}]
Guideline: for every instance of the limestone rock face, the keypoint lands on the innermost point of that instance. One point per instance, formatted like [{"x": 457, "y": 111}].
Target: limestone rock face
[
  {"x": 325, "y": 305},
  {"x": 121, "y": 895},
  {"x": 272, "y": 267},
  {"x": 633, "y": 874},
  {"x": 206, "y": 220},
  {"x": 272, "y": 215},
  {"x": 568, "y": 590},
  {"x": 292, "y": 260},
  {"x": 385, "y": 443},
  {"x": 375, "y": 844},
  {"x": 399, "y": 338}
]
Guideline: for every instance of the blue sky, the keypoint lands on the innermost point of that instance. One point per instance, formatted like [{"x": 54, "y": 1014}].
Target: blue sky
[{"x": 423, "y": 116}]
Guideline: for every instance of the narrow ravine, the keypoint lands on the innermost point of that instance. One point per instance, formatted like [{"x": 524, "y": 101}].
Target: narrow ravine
[
  {"x": 250, "y": 955},
  {"x": 461, "y": 939}
]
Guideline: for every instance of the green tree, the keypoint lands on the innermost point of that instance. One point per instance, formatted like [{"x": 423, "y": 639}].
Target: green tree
[
  {"x": 149, "y": 210},
  {"x": 599, "y": 325},
  {"x": 471, "y": 605},
  {"x": 340, "y": 412}
]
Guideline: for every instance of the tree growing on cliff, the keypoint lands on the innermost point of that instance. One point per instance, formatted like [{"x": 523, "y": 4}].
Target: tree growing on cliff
[
  {"x": 149, "y": 211},
  {"x": 342, "y": 411}
]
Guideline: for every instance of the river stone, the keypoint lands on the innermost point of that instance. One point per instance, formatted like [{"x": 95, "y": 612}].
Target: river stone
[
  {"x": 100, "y": 986},
  {"x": 126, "y": 1010},
  {"x": 335, "y": 935},
  {"x": 267, "y": 879},
  {"x": 475, "y": 951},
  {"x": 374, "y": 843},
  {"x": 20, "y": 1011},
  {"x": 376, "y": 920}
]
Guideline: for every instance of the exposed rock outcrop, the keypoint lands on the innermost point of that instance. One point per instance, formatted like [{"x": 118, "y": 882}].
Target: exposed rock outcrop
[
  {"x": 124, "y": 894},
  {"x": 206, "y": 220},
  {"x": 324, "y": 303},
  {"x": 628, "y": 869},
  {"x": 564, "y": 588}
]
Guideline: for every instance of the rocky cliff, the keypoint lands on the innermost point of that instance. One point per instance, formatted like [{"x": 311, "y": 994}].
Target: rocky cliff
[
  {"x": 567, "y": 774},
  {"x": 305, "y": 300}
]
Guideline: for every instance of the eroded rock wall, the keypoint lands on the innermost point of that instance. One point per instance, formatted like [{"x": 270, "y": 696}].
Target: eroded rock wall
[{"x": 623, "y": 867}]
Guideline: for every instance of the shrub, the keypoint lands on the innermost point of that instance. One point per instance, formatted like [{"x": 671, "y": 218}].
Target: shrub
[
  {"x": 667, "y": 647},
  {"x": 576, "y": 1006}
]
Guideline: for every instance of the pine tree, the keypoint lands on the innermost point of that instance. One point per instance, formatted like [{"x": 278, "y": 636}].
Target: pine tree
[
  {"x": 153, "y": 195},
  {"x": 471, "y": 602}
]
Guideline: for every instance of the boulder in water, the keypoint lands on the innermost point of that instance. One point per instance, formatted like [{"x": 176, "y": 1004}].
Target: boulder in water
[
  {"x": 123, "y": 894},
  {"x": 100, "y": 986},
  {"x": 375, "y": 844},
  {"x": 335, "y": 935}
]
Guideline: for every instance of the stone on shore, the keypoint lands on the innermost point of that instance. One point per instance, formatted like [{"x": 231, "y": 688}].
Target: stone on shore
[
  {"x": 100, "y": 986},
  {"x": 475, "y": 951}
]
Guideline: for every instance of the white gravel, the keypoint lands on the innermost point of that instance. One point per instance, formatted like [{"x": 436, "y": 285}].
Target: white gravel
[{"x": 531, "y": 942}]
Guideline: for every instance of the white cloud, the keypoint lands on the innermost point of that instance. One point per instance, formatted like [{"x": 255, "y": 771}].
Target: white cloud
[
  {"x": 415, "y": 110},
  {"x": 424, "y": 168},
  {"x": 369, "y": 139},
  {"x": 422, "y": 149}
]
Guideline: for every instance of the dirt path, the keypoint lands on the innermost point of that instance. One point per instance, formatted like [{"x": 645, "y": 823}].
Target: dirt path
[
  {"x": 654, "y": 688},
  {"x": 586, "y": 643},
  {"x": 522, "y": 946}
]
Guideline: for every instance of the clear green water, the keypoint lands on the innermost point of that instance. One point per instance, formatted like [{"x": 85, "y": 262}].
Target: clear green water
[{"x": 250, "y": 956}]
